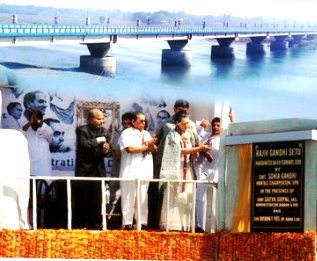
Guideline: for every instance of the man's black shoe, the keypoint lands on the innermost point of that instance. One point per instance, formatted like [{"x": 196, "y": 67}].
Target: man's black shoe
[
  {"x": 143, "y": 227},
  {"x": 199, "y": 230},
  {"x": 127, "y": 227}
]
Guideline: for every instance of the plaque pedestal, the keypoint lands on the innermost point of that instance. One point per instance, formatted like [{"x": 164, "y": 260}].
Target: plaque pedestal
[{"x": 270, "y": 180}]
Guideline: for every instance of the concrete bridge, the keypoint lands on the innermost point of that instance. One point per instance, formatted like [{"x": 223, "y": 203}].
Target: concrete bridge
[{"x": 99, "y": 39}]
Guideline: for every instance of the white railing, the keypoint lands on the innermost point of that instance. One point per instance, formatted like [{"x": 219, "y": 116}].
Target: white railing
[
  {"x": 16, "y": 30},
  {"x": 103, "y": 184}
]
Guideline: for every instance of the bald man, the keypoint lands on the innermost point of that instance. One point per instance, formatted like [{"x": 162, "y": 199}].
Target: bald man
[{"x": 92, "y": 145}]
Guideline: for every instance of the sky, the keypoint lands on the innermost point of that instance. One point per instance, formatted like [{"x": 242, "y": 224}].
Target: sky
[{"x": 302, "y": 10}]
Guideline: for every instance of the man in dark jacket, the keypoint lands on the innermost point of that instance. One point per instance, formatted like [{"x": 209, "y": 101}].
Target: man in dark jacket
[{"x": 92, "y": 146}]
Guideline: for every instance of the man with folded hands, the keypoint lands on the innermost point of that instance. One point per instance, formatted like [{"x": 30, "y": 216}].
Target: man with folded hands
[{"x": 92, "y": 145}]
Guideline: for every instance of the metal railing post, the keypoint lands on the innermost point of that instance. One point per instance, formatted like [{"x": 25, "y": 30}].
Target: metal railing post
[
  {"x": 103, "y": 204},
  {"x": 193, "y": 225},
  {"x": 167, "y": 205},
  {"x": 34, "y": 203},
  {"x": 69, "y": 204},
  {"x": 138, "y": 203}
]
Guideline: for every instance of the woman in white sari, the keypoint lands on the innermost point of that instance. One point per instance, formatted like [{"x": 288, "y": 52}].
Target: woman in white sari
[{"x": 176, "y": 212}]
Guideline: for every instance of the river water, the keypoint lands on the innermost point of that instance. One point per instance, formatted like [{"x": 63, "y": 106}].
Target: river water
[{"x": 277, "y": 85}]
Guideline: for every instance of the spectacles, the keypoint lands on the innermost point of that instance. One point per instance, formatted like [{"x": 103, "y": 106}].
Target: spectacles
[{"x": 142, "y": 121}]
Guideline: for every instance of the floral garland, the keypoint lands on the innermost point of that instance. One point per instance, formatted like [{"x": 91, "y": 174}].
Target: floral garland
[
  {"x": 267, "y": 246},
  {"x": 117, "y": 244}
]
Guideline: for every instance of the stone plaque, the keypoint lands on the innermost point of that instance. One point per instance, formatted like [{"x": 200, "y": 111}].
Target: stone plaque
[{"x": 277, "y": 196}]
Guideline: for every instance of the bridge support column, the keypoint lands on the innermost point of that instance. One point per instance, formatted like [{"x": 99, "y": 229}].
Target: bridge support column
[
  {"x": 98, "y": 60},
  {"x": 255, "y": 46},
  {"x": 279, "y": 44},
  {"x": 176, "y": 56},
  {"x": 295, "y": 40},
  {"x": 107, "y": 64},
  {"x": 223, "y": 50},
  {"x": 310, "y": 37}
]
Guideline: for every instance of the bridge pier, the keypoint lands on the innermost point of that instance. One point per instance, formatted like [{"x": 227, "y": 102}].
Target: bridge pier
[
  {"x": 256, "y": 46},
  {"x": 223, "y": 50},
  {"x": 107, "y": 64},
  {"x": 295, "y": 40},
  {"x": 310, "y": 37},
  {"x": 279, "y": 44},
  {"x": 98, "y": 60},
  {"x": 176, "y": 55}
]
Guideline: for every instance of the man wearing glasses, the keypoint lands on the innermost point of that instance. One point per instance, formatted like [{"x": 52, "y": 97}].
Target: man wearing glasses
[
  {"x": 126, "y": 119},
  {"x": 137, "y": 146}
]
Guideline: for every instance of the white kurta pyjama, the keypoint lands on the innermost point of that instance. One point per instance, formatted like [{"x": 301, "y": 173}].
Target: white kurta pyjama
[
  {"x": 206, "y": 196},
  {"x": 136, "y": 166}
]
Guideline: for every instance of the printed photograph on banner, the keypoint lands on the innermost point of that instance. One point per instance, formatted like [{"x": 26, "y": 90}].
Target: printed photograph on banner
[{"x": 58, "y": 113}]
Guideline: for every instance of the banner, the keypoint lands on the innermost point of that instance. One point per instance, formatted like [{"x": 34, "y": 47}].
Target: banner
[{"x": 64, "y": 113}]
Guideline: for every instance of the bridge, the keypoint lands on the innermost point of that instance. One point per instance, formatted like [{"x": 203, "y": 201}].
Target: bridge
[{"x": 99, "y": 38}]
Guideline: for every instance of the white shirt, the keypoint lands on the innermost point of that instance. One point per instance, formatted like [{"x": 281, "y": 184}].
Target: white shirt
[
  {"x": 38, "y": 144},
  {"x": 136, "y": 165},
  {"x": 209, "y": 170}
]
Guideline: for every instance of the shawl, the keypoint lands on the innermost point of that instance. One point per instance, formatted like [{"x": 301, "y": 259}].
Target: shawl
[{"x": 170, "y": 168}]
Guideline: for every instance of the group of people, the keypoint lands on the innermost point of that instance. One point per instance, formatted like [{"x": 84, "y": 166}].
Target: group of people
[{"x": 176, "y": 154}]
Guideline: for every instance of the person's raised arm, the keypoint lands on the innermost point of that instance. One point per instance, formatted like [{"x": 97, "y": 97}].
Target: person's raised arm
[
  {"x": 231, "y": 115},
  {"x": 29, "y": 123}
]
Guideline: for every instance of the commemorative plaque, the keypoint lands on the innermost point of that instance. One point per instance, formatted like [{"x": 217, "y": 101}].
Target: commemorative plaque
[{"x": 277, "y": 187}]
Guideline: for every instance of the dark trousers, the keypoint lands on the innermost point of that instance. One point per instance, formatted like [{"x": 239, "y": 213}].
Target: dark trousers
[
  {"x": 154, "y": 206},
  {"x": 86, "y": 204}
]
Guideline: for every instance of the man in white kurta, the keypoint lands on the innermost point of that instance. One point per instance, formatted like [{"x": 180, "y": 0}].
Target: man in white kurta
[
  {"x": 208, "y": 171},
  {"x": 40, "y": 156},
  {"x": 206, "y": 198},
  {"x": 136, "y": 163},
  {"x": 39, "y": 136}
]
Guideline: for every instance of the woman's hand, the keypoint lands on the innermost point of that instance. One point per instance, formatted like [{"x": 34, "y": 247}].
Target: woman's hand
[
  {"x": 105, "y": 147},
  {"x": 203, "y": 148}
]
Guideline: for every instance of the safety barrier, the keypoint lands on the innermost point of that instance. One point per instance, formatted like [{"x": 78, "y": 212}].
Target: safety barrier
[{"x": 38, "y": 182}]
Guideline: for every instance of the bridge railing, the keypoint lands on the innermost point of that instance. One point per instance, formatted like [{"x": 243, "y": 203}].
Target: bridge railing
[{"x": 16, "y": 30}]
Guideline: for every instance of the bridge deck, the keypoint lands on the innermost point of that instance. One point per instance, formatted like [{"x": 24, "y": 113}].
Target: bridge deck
[{"x": 37, "y": 31}]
